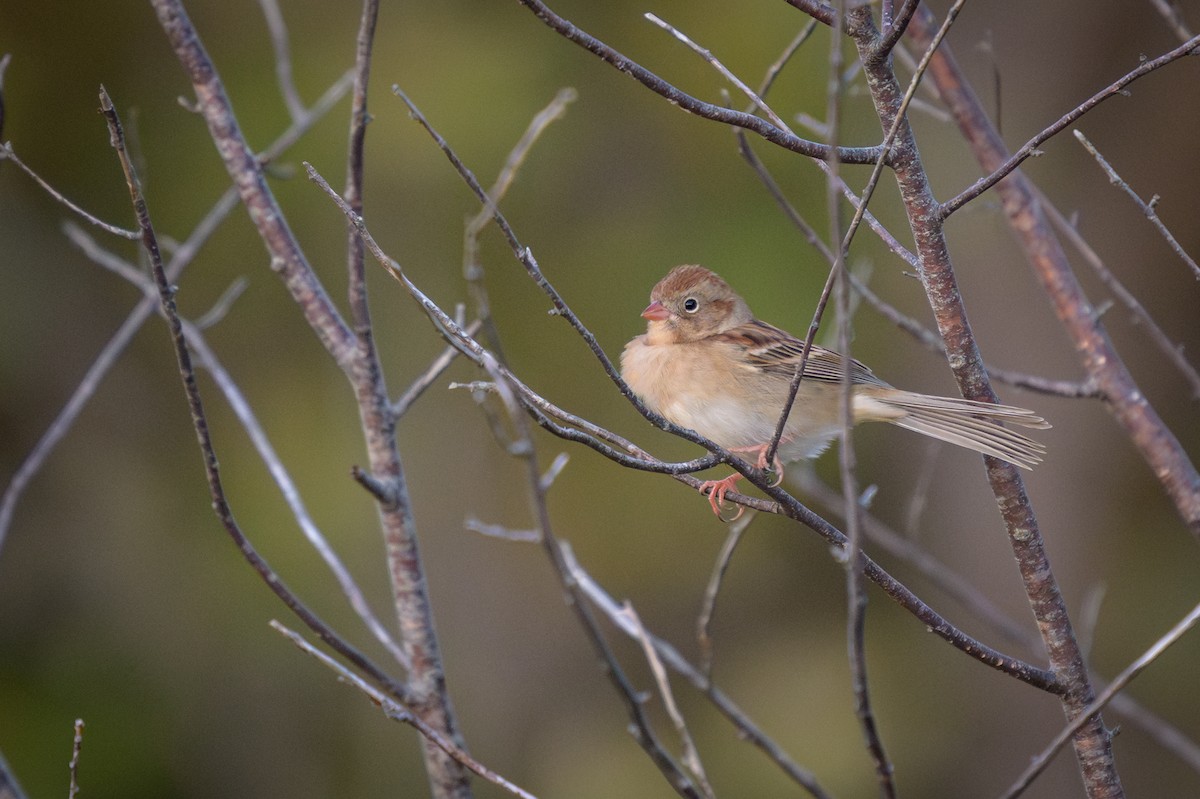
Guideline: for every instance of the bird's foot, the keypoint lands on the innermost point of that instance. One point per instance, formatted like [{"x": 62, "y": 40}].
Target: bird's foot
[{"x": 716, "y": 490}]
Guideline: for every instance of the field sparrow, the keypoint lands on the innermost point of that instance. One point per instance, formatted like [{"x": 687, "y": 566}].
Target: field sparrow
[{"x": 707, "y": 364}]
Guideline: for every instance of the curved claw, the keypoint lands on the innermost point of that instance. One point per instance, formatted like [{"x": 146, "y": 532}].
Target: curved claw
[{"x": 716, "y": 490}]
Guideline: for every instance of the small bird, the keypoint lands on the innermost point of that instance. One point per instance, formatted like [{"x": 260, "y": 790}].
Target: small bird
[{"x": 707, "y": 364}]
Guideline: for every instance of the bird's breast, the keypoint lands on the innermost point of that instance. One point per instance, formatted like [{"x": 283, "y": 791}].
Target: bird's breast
[{"x": 701, "y": 388}]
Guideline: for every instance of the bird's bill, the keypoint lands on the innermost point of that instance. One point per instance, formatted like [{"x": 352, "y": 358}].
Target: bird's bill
[{"x": 655, "y": 311}]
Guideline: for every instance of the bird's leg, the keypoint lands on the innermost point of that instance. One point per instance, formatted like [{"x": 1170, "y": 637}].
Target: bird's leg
[{"x": 760, "y": 452}]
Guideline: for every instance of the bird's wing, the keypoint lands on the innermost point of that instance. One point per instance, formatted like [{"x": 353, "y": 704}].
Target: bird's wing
[{"x": 778, "y": 352}]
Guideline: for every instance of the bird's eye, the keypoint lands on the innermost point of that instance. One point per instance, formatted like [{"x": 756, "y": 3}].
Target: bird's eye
[{"x": 690, "y": 305}]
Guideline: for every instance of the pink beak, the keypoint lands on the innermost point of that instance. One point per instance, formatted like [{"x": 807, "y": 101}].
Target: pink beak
[{"x": 655, "y": 312}]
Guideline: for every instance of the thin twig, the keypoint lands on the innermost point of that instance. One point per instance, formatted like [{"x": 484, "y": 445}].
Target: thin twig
[
  {"x": 958, "y": 587},
  {"x": 397, "y": 712},
  {"x": 894, "y": 26},
  {"x": 9, "y": 787},
  {"x": 856, "y": 595},
  {"x": 142, "y": 311},
  {"x": 1039, "y": 763},
  {"x": 222, "y": 306},
  {"x": 756, "y": 99},
  {"x": 501, "y": 532},
  {"x": 6, "y": 151},
  {"x": 691, "y": 755},
  {"x": 200, "y": 422},
  {"x": 245, "y": 414},
  {"x": 554, "y": 470},
  {"x": 356, "y": 283},
  {"x": 1141, "y": 317},
  {"x": 1030, "y": 147},
  {"x": 4, "y": 61},
  {"x": 1173, "y": 14},
  {"x": 427, "y": 378},
  {"x": 747, "y": 730},
  {"x": 237, "y": 401},
  {"x": 283, "y": 57},
  {"x": 1147, "y": 208},
  {"x": 777, "y": 66},
  {"x": 640, "y": 726},
  {"x": 693, "y": 105},
  {"x": 472, "y": 265},
  {"x": 73, "y": 766},
  {"x": 708, "y": 605}
]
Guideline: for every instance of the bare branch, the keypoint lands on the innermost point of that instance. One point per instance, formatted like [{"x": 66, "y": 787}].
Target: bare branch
[
  {"x": 708, "y": 606},
  {"x": 1158, "y": 446},
  {"x": 108, "y": 355},
  {"x": 894, "y": 28},
  {"x": 245, "y": 414},
  {"x": 247, "y": 174},
  {"x": 772, "y": 133},
  {"x": 396, "y": 712},
  {"x": 1141, "y": 317},
  {"x": 472, "y": 266},
  {"x": 283, "y": 57},
  {"x": 427, "y": 378},
  {"x": 1030, "y": 147},
  {"x": 691, "y": 756},
  {"x": 6, "y": 151},
  {"x": 1092, "y": 711},
  {"x": 291, "y": 494},
  {"x": 640, "y": 726},
  {"x": 707, "y": 55},
  {"x": 1146, "y": 207},
  {"x": 73, "y": 766},
  {"x": 669, "y": 655},
  {"x": 1173, "y": 15},
  {"x": 200, "y": 421}
]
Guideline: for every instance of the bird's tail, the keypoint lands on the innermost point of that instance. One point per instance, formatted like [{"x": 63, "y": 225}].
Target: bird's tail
[{"x": 963, "y": 422}]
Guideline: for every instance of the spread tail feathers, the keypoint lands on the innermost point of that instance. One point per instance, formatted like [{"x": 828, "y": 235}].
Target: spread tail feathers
[{"x": 963, "y": 422}]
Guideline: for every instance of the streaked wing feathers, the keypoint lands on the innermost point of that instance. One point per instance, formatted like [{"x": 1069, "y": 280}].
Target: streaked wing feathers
[{"x": 776, "y": 351}]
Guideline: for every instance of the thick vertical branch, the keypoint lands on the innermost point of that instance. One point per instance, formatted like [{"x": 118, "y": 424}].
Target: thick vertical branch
[
  {"x": 1092, "y": 744},
  {"x": 286, "y": 256},
  {"x": 447, "y": 776},
  {"x": 1157, "y": 445},
  {"x": 354, "y": 351}
]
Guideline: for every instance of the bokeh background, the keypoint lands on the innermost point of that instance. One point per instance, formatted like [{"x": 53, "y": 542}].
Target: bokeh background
[{"x": 122, "y": 602}]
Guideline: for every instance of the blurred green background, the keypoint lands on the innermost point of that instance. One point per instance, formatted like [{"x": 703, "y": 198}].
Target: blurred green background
[{"x": 122, "y": 602}]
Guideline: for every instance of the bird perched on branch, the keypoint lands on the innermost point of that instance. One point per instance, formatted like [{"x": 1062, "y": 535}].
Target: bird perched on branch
[{"x": 707, "y": 364}]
